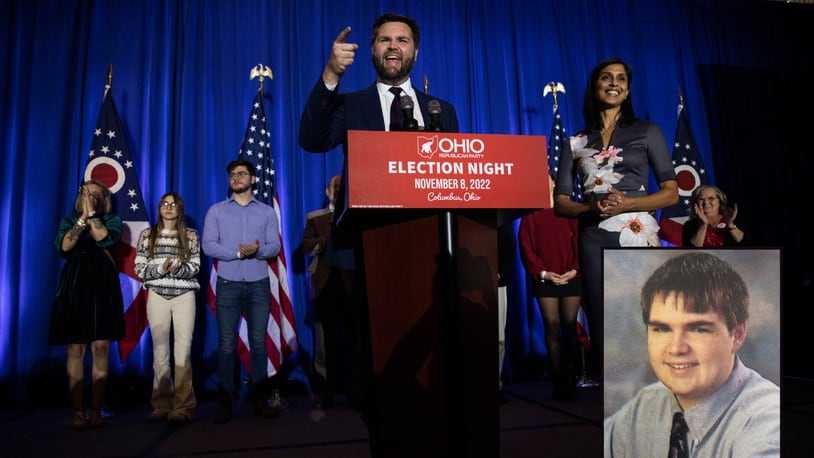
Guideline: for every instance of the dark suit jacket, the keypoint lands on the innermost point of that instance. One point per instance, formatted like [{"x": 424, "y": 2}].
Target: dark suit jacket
[{"x": 329, "y": 115}]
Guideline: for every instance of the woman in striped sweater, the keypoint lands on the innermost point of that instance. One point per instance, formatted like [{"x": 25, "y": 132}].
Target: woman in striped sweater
[{"x": 168, "y": 260}]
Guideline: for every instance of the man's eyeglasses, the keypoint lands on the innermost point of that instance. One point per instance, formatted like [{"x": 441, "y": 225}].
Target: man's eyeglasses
[
  {"x": 167, "y": 204},
  {"x": 238, "y": 175}
]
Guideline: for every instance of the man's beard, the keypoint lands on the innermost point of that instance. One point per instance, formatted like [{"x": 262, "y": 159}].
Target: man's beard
[
  {"x": 241, "y": 189},
  {"x": 390, "y": 75}
]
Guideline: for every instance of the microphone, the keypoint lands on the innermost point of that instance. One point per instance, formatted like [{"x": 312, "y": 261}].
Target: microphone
[
  {"x": 406, "y": 105},
  {"x": 434, "y": 109}
]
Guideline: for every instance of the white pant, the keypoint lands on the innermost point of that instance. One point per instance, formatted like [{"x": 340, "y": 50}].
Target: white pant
[{"x": 178, "y": 313}]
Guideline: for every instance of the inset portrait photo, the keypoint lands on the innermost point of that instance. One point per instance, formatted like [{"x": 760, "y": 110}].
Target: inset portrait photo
[{"x": 692, "y": 352}]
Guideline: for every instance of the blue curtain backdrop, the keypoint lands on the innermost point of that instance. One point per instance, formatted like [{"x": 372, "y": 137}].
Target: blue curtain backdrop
[{"x": 181, "y": 84}]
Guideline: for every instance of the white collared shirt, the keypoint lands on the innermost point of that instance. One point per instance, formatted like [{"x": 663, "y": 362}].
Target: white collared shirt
[{"x": 386, "y": 98}]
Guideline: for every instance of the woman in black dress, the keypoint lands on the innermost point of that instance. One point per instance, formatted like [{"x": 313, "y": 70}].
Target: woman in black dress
[
  {"x": 88, "y": 308},
  {"x": 550, "y": 254}
]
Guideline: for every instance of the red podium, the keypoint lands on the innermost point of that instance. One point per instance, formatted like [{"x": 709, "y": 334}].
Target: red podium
[{"x": 428, "y": 205}]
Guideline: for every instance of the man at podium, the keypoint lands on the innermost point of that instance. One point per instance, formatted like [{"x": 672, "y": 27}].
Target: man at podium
[
  {"x": 391, "y": 103},
  {"x": 329, "y": 115}
]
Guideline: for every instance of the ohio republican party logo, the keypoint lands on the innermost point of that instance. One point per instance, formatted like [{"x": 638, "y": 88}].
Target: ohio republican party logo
[
  {"x": 450, "y": 147},
  {"x": 427, "y": 146}
]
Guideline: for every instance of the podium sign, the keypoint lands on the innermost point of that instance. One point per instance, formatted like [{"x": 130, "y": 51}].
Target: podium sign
[
  {"x": 437, "y": 170},
  {"x": 428, "y": 204}
]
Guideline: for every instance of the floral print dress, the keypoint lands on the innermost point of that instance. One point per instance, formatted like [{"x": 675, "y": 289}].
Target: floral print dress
[{"x": 625, "y": 165}]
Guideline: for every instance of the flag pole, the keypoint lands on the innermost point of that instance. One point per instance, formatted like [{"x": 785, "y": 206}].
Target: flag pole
[
  {"x": 550, "y": 88},
  {"x": 583, "y": 380},
  {"x": 109, "y": 78},
  {"x": 426, "y": 85},
  {"x": 256, "y": 149},
  {"x": 260, "y": 71}
]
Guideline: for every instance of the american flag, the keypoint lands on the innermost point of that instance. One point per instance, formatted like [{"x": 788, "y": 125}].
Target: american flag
[
  {"x": 690, "y": 172},
  {"x": 110, "y": 162},
  {"x": 555, "y": 140},
  {"x": 281, "y": 334}
]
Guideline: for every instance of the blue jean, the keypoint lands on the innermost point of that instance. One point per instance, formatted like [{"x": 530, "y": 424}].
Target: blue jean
[{"x": 233, "y": 297}]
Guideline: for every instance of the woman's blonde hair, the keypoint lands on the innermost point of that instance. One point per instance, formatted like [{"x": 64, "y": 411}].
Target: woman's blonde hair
[{"x": 106, "y": 195}]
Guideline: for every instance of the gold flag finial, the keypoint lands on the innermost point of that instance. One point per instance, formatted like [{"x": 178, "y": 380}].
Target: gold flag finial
[
  {"x": 262, "y": 72},
  {"x": 554, "y": 87}
]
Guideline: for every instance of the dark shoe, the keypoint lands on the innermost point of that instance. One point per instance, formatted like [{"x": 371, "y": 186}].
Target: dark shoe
[
  {"x": 557, "y": 393},
  {"x": 570, "y": 391},
  {"x": 263, "y": 409},
  {"x": 316, "y": 403},
  {"x": 327, "y": 400},
  {"x": 319, "y": 402},
  {"x": 156, "y": 416},
  {"x": 572, "y": 387},
  {"x": 96, "y": 418},
  {"x": 565, "y": 388},
  {"x": 78, "y": 420},
  {"x": 177, "y": 419},
  {"x": 224, "y": 414}
]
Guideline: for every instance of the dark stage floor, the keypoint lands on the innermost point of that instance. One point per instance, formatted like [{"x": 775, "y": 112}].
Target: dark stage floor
[{"x": 531, "y": 425}]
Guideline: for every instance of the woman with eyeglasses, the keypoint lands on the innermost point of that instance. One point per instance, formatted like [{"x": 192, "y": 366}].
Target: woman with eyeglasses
[
  {"x": 168, "y": 260},
  {"x": 88, "y": 308},
  {"x": 712, "y": 222}
]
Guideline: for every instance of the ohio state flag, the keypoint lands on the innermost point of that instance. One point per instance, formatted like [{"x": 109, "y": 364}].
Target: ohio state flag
[{"x": 690, "y": 172}]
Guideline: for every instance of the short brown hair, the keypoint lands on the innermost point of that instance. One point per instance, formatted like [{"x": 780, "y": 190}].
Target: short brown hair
[
  {"x": 707, "y": 283},
  {"x": 393, "y": 17}
]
